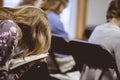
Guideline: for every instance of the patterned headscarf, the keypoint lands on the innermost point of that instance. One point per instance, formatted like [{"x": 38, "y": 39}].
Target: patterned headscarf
[{"x": 8, "y": 39}]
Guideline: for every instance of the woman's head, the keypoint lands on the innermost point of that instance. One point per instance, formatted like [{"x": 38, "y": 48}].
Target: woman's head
[
  {"x": 10, "y": 33},
  {"x": 34, "y": 25},
  {"x": 28, "y": 2},
  {"x": 113, "y": 10},
  {"x": 56, "y": 6}
]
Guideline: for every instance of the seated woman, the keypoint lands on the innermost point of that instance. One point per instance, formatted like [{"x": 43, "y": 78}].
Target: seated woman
[
  {"x": 108, "y": 36},
  {"x": 34, "y": 45}
]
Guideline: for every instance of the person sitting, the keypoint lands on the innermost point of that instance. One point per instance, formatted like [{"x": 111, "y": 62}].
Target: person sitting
[
  {"x": 29, "y": 62},
  {"x": 53, "y": 12},
  {"x": 107, "y": 35},
  {"x": 57, "y": 29}
]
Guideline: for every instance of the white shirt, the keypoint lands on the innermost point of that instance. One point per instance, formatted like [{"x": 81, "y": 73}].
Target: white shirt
[{"x": 108, "y": 35}]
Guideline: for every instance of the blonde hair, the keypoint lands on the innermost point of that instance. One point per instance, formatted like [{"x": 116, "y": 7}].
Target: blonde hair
[
  {"x": 53, "y": 5},
  {"x": 27, "y": 2},
  {"x": 34, "y": 25}
]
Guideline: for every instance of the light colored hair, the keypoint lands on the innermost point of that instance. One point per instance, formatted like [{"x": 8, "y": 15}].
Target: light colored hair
[
  {"x": 27, "y": 2},
  {"x": 53, "y": 5},
  {"x": 34, "y": 25}
]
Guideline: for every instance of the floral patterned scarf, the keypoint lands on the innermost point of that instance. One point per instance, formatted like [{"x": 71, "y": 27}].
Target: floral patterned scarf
[{"x": 8, "y": 41}]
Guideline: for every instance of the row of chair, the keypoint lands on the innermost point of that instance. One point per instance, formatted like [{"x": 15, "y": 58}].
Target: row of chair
[{"x": 83, "y": 52}]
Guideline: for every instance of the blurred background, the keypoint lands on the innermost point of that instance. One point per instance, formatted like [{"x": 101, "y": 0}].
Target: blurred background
[{"x": 79, "y": 18}]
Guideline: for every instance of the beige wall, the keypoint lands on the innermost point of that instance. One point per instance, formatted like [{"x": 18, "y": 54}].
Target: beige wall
[
  {"x": 89, "y": 13},
  {"x": 96, "y": 12}
]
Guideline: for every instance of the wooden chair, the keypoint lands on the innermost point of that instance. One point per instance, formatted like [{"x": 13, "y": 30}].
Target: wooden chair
[{"x": 84, "y": 52}]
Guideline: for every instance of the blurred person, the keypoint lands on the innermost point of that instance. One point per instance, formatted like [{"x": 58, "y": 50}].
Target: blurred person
[
  {"x": 108, "y": 36},
  {"x": 53, "y": 9},
  {"x": 34, "y": 25},
  {"x": 29, "y": 63}
]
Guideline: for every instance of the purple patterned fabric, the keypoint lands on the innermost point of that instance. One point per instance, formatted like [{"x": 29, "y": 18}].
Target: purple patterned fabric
[{"x": 8, "y": 35}]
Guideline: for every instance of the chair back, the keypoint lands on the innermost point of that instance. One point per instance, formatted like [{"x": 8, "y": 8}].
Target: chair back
[
  {"x": 83, "y": 52},
  {"x": 91, "y": 54}
]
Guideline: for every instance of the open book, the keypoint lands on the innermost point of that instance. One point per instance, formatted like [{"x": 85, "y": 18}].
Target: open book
[{"x": 14, "y": 63}]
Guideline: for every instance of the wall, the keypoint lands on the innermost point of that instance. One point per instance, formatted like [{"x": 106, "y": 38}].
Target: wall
[{"x": 96, "y": 12}]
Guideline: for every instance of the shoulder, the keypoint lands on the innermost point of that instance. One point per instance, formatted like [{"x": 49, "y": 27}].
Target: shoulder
[
  {"x": 52, "y": 15},
  {"x": 107, "y": 28}
]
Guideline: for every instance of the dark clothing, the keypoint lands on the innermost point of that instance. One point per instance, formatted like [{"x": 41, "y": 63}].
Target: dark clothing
[{"x": 37, "y": 72}]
